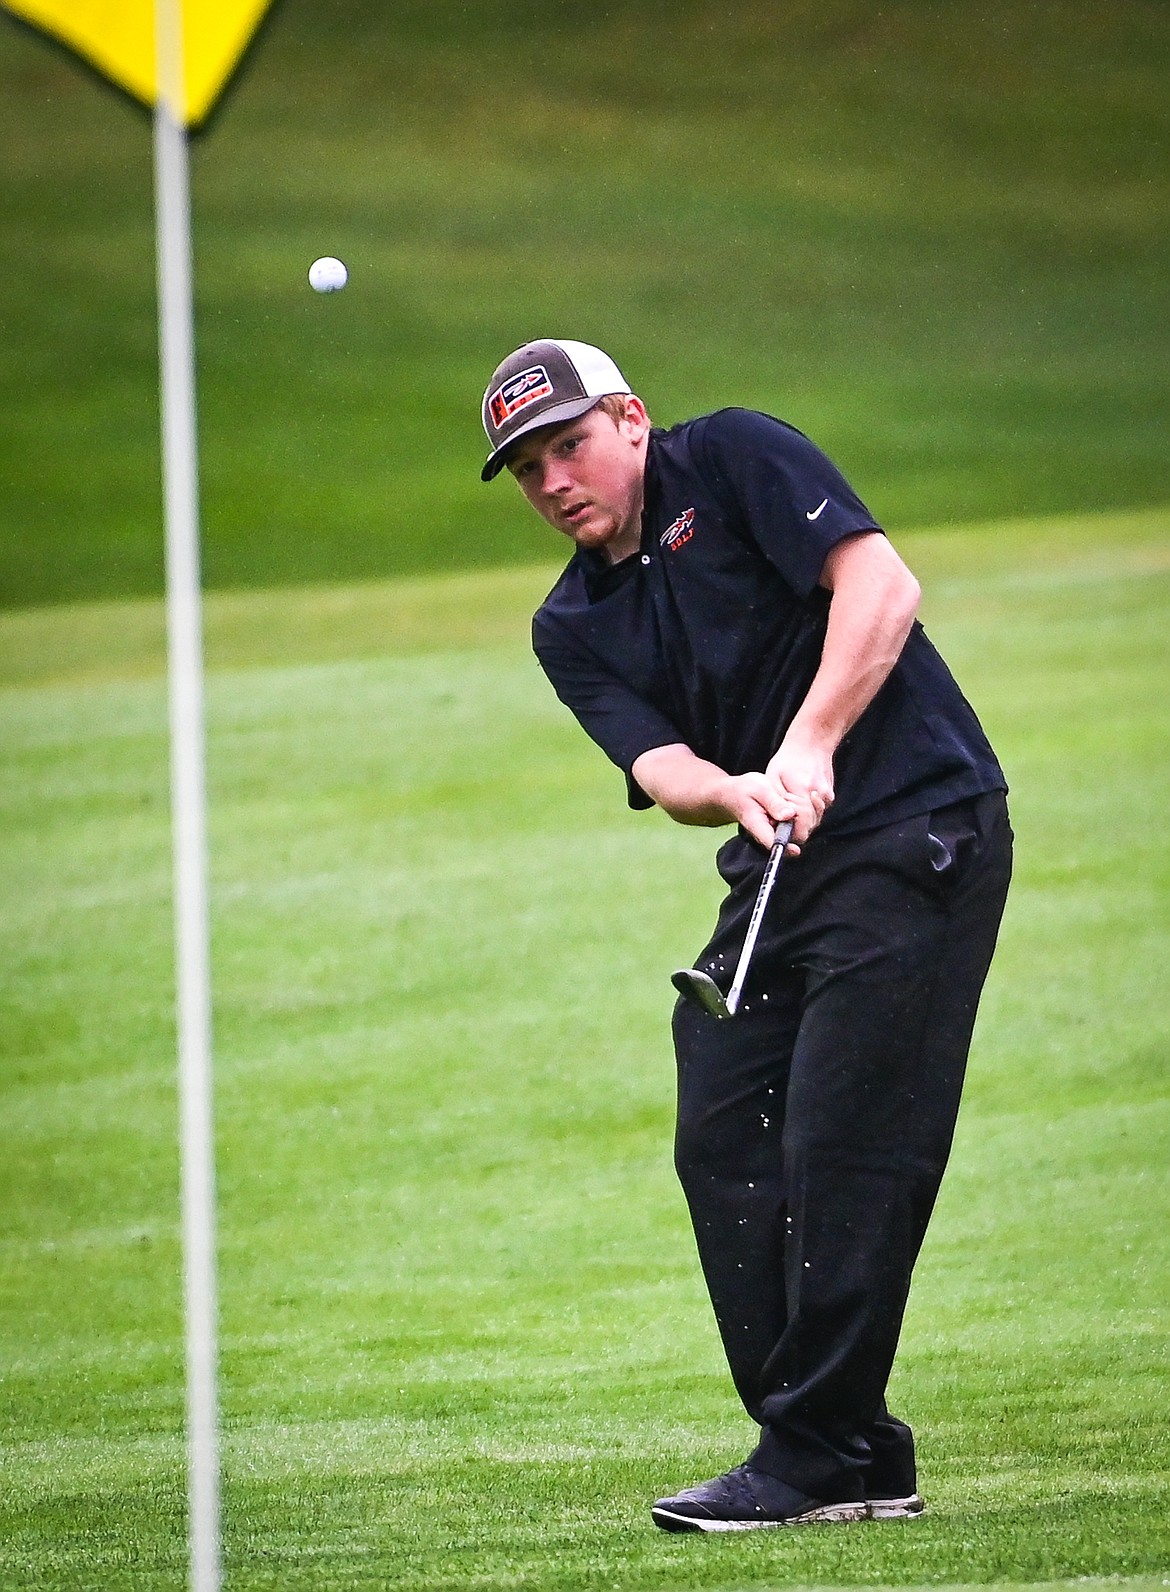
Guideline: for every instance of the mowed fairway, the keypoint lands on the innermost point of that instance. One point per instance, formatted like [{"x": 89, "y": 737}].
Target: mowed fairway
[{"x": 464, "y": 1336}]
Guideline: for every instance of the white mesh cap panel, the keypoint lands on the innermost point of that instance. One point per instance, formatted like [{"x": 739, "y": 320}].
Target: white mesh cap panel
[{"x": 599, "y": 375}]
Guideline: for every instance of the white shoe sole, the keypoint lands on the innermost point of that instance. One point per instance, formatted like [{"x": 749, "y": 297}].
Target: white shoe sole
[
  {"x": 896, "y": 1508},
  {"x": 835, "y": 1514}
]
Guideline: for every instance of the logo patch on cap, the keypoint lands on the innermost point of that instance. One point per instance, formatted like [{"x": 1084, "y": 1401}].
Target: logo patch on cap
[{"x": 517, "y": 392}]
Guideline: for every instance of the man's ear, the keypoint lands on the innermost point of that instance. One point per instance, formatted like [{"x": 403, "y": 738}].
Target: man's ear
[{"x": 636, "y": 420}]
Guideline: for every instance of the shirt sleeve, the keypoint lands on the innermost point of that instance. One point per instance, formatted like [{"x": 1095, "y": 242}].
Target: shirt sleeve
[
  {"x": 794, "y": 501},
  {"x": 622, "y": 724}
]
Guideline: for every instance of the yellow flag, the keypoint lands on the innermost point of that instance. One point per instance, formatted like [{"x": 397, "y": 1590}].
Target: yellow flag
[{"x": 117, "y": 37}]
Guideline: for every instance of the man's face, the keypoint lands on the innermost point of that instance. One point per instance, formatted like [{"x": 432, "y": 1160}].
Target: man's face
[{"x": 585, "y": 477}]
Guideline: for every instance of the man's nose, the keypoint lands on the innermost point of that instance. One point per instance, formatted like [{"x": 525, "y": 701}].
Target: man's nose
[{"x": 556, "y": 477}]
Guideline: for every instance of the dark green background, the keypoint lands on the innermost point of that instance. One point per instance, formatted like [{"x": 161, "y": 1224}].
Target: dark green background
[{"x": 933, "y": 236}]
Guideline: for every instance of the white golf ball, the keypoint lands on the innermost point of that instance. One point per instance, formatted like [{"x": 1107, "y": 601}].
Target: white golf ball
[{"x": 327, "y": 275}]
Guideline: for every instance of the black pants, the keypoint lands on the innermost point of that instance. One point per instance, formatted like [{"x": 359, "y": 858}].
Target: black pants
[{"x": 814, "y": 1127}]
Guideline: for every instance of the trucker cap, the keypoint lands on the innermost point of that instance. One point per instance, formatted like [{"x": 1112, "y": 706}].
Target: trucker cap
[{"x": 543, "y": 384}]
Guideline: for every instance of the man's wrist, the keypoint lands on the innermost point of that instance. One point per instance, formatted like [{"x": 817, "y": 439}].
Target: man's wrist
[{"x": 815, "y": 733}]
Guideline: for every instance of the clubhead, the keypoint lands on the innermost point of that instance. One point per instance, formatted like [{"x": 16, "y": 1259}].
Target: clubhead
[{"x": 702, "y": 990}]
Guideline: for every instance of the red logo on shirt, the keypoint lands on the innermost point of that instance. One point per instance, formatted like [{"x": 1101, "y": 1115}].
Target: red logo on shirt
[{"x": 680, "y": 532}]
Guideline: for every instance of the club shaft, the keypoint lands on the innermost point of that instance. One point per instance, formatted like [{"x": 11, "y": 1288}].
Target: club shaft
[{"x": 775, "y": 857}]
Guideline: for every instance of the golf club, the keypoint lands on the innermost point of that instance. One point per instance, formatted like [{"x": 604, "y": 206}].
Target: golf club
[{"x": 701, "y": 987}]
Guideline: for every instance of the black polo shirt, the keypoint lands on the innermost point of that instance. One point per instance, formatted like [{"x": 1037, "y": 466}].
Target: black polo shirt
[{"x": 711, "y": 634}]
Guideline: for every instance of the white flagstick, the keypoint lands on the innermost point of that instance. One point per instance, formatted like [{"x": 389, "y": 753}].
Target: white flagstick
[{"x": 188, "y": 793}]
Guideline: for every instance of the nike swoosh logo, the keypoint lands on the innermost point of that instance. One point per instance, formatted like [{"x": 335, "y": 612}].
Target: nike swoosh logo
[{"x": 815, "y": 514}]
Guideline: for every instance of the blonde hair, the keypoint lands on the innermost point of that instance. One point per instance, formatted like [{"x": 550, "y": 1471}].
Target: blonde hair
[{"x": 614, "y": 405}]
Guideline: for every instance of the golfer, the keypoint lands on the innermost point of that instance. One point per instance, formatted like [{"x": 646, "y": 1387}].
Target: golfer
[{"x": 737, "y": 634}]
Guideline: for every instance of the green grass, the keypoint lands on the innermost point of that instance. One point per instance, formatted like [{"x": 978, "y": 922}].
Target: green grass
[
  {"x": 464, "y": 1335},
  {"x": 933, "y": 236}
]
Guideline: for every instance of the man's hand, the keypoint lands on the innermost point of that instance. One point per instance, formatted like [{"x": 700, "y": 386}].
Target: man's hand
[
  {"x": 804, "y": 772},
  {"x": 694, "y": 791},
  {"x": 757, "y": 803}
]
